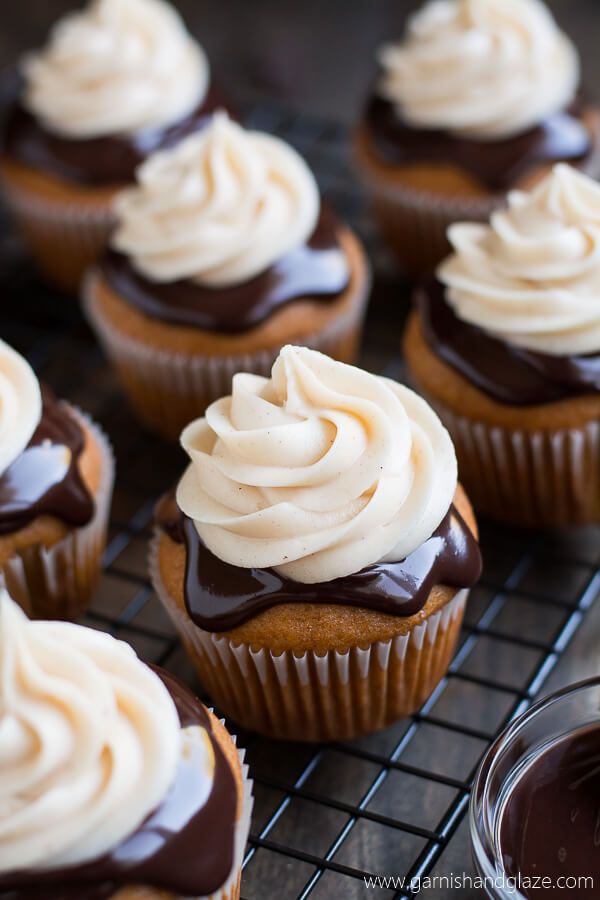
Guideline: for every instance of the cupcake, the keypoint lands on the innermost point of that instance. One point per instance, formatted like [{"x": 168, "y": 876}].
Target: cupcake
[
  {"x": 222, "y": 254},
  {"x": 116, "y": 781},
  {"x": 505, "y": 344},
  {"x": 56, "y": 479},
  {"x": 317, "y": 554},
  {"x": 479, "y": 97},
  {"x": 116, "y": 81}
]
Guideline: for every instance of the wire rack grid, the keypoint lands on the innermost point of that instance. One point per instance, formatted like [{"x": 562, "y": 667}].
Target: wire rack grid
[{"x": 393, "y": 803}]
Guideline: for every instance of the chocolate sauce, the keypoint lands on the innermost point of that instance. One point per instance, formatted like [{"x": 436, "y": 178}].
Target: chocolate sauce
[
  {"x": 550, "y": 825},
  {"x": 498, "y": 164},
  {"x": 220, "y": 596},
  {"x": 181, "y": 847},
  {"x": 45, "y": 478},
  {"x": 317, "y": 269},
  {"x": 507, "y": 373},
  {"x": 102, "y": 161}
]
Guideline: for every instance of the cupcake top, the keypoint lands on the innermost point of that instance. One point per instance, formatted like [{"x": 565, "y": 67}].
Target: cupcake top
[
  {"x": 532, "y": 276},
  {"x": 483, "y": 69},
  {"x": 115, "y": 67},
  {"x": 222, "y": 230},
  {"x": 41, "y": 444},
  {"x": 514, "y": 309},
  {"x": 319, "y": 471},
  {"x": 104, "y": 766}
]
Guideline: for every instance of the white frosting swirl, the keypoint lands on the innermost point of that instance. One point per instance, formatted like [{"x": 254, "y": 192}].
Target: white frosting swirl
[
  {"x": 532, "y": 277},
  {"x": 219, "y": 208},
  {"x": 89, "y": 742},
  {"x": 116, "y": 67},
  {"x": 486, "y": 69},
  {"x": 20, "y": 404},
  {"x": 318, "y": 471}
]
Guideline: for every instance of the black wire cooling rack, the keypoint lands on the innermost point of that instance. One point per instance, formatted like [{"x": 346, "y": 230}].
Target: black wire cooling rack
[{"x": 394, "y": 803}]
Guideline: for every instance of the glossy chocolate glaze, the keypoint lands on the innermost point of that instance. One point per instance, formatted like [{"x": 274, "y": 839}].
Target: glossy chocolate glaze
[
  {"x": 509, "y": 374},
  {"x": 181, "y": 847},
  {"x": 550, "y": 825},
  {"x": 45, "y": 479},
  {"x": 220, "y": 596},
  {"x": 317, "y": 269},
  {"x": 497, "y": 165},
  {"x": 104, "y": 161}
]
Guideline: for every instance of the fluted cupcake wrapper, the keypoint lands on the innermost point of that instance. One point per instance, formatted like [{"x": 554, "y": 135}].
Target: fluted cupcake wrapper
[
  {"x": 168, "y": 390},
  {"x": 63, "y": 238},
  {"x": 57, "y": 582},
  {"x": 414, "y": 222},
  {"x": 528, "y": 478},
  {"x": 312, "y": 697}
]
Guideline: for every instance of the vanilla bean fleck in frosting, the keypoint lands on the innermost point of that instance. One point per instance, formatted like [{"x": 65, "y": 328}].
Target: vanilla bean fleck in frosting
[
  {"x": 319, "y": 471},
  {"x": 532, "y": 276},
  {"x": 219, "y": 208},
  {"x": 486, "y": 69},
  {"x": 90, "y": 742},
  {"x": 116, "y": 67},
  {"x": 20, "y": 404}
]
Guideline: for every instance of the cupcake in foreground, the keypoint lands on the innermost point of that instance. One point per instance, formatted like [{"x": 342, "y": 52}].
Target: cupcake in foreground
[
  {"x": 222, "y": 254},
  {"x": 479, "y": 97},
  {"x": 506, "y": 347},
  {"x": 317, "y": 556},
  {"x": 56, "y": 479},
  {"x": 116, "y": 81},
  {"x": 116, "y": 781}
]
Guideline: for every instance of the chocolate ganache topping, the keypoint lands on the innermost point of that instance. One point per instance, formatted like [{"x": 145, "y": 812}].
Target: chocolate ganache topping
[
  {"x": 498, "y": 164},
  {"x": 508, "y": 373},
  {"x": 183, "y": 846},
  {"x": 101, "y": 161},
  {"x": 317, "y": 269},
  {"x": 44, "y": 479},
  {"x": 220, "y": 596}
]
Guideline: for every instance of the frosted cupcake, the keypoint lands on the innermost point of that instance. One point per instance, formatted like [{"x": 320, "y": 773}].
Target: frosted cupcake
[
  {"x": 318, "y": 554},
  {"x": 116, "y": 781},
  {"x": 116, "y": 81},
  {"x": 56, "y": 479},
  {"x": 506, "y": 346},
  {"x": 479, "y": 97},
  {"x": 222, "y": 254}
]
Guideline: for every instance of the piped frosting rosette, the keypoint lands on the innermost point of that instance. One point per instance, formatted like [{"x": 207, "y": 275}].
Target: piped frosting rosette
[
  {"x": 532, "y": 276},
  {"x": 486, "y": 69},
  {"x": 318, "y": 471},
  {"x": 219, "y": 208},
  {"x": 20, "y": 404},
  {"x": 117, "y": 66}
]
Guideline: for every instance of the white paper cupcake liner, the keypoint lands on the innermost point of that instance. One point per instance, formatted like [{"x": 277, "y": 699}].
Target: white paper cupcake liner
[
  {"x": 168, "y": 390},
  {"x": 415, "y": 222},
  {"x": 57, "y": 582},
  {"x": 530, "y": 478},
  {"x": 313, "y": 697},
  {"x": 64, "y": 239}
]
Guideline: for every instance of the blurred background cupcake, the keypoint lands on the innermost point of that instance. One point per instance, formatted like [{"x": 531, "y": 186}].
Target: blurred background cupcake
[
  {"x": 115, "y": 81},
  {"x": 111, "y": 770},
  {"x": 223, "y": 253},
  {"x": 505, "y": 344},
  {"x": 56, "y": 480},
  {"x": 478, "y": 97},
  {"x": 317, "y": 556}
]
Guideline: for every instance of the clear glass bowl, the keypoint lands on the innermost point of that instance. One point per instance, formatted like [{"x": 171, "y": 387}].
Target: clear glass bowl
[{"x": 553, "y": 718}]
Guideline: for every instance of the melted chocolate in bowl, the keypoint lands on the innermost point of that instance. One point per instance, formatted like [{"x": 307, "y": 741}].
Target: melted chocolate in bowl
[
  {"x": 220, "y": 596},
  {"x": 318, "y": 269},
  {"x": 550, "y": 825},
  {"x": 45, "y": 479},
  {"x": 181, "y": 847},
  {"x": 497, "y": 165}
]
